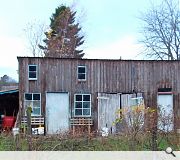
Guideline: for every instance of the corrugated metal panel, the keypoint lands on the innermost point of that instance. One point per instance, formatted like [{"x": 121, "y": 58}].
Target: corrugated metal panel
[{"x": 9, "y": 91}]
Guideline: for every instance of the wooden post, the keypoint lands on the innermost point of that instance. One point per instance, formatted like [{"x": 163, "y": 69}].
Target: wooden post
[
  {"x": 89, "y": 129},
  {"x": 178, "y": 136},
  {"x": 29, "y": 131},
  {"x": 73, "y": 130},
  {"x": 28, "y": 111},
  {"x": 17, "y": 142}
]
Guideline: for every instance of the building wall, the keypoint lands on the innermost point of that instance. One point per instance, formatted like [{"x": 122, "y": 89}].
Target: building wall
[{"x": 104, "y": 76}]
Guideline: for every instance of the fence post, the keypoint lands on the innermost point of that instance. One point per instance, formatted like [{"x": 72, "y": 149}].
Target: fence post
[{"x": 29, "y": 130}]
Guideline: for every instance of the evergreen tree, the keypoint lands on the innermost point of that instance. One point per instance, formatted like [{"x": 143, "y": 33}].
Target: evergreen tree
[{"x": 63, "y": 38}]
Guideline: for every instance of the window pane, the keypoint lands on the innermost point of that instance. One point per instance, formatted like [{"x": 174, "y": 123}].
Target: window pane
[
  {"x": 81, "y": 69},
  {"x": 36, "y": 111},
  {"x": 36, "y": 96},
  {"x": 28, "y": 96},
  {"x": 32, "y": 74},
  {"x": 81, "y": 76},
  {"x": 78, "y": 105},
  {"x": 78, "y": 112},
  {"x": 86, "y": 97},
  {"x": 32, "y": 68},
  {"x": 28, "y": 104},
  {"x": 78, "y": 98},
  {"x": 86, "y": 112},
  {"x": 36, "y": 104},
  {"x": 86, "y": 104}
]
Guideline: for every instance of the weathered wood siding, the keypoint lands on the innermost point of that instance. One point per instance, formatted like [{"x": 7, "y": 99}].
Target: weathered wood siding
[
  {"x": 108, "y": 105},
  {"x": 104, "y": 76}
]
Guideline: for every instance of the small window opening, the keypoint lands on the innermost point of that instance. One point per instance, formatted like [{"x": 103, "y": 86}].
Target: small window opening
[
  {"x": 32, "y": 69},
  {"x": 82, "y": 73}
]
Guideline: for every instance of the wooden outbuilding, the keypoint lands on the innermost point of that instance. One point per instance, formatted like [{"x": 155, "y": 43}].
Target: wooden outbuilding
[{"x": 65, "y": 93}]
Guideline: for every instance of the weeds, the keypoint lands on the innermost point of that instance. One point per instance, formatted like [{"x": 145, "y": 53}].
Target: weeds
[{"x": 85, "y": 143}]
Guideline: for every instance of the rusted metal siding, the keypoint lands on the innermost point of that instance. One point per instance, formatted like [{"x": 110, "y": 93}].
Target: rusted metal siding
[{"x": 103, "y": 76}]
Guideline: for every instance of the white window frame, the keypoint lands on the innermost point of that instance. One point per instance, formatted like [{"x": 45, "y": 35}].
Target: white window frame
[
  {"x": 32, "y": 71},
  {"x": 80, "y": 66},
  {"x": 82, "y": 105},
  {"x": 32, "y": 103}
]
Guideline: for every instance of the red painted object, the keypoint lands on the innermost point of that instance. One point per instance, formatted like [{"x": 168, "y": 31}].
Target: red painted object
[{"x": 8, "y": 121}]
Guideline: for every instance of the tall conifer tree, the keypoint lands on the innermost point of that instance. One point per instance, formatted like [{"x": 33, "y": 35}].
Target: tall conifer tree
[{"x": 63, "y": 38}]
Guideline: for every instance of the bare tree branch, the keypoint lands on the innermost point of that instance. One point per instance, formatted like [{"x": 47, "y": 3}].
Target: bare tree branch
[
  {"x": 34, "y": 32},
  {"x": 161, "y": 33}
]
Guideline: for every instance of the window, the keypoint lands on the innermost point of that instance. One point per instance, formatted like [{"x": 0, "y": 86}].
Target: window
[
  {"x": 32, "y": 69},
  {"x": 82, "y": 73},
  {"x": 137, "y": 101},
  {"x": 82, "y": 105},
  {"x": 33, "y": 100}
]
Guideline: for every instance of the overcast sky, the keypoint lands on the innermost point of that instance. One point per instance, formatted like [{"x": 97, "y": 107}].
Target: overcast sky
[{"x": 110, "y": 26}]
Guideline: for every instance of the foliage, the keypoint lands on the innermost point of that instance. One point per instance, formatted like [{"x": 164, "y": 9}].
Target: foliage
[
  {"x": 161, "y": 32},
  {"x": 6, "y": 79},
  {"x": 63, "y": 38},
  {"x": 84, "y": 143},
  {"x": 152, "y": 122},
  {"x": 165, "y": 119},
  {"x": 133, "y": 124},
  {"x": 58, "y": 11},
  {"x": 7, "y": 142}
]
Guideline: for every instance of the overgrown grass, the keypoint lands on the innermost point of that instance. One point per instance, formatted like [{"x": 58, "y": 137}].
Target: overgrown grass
[
  {"x": 6, "y": 142},
  {"x": 85, "y": 143}
]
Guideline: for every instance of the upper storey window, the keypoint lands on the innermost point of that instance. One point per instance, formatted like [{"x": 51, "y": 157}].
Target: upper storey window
[
  {"x": 82, "y": 73},
  {"x": 32, "y": 72}
]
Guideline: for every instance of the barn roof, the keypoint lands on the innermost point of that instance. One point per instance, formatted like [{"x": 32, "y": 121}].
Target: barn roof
[{"x": 89, "y": 59}]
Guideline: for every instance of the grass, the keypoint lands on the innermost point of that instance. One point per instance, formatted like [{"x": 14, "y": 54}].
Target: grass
[{"x": 111, "y": 143}]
